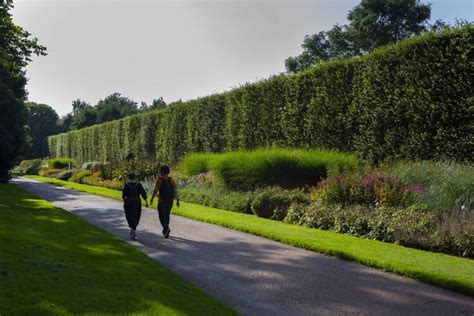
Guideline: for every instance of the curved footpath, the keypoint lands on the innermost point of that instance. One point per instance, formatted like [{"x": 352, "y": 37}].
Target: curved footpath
[{"x": 257, "y": 276}]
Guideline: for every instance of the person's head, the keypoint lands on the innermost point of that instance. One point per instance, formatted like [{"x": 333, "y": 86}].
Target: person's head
[
  {"x": 132, "y": 176},
  {"x": 164, "y": 170}
]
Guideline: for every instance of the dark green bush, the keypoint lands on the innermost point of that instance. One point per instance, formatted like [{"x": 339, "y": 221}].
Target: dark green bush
[
  {"x": 94, "y": 166},
  {"x": 61, "y": 163},
  {"x": 78, "y": 176},
  {"x": 411, "y": 100},
  {"x": 31, "y": 166},
  {"x": 218, "y": 197},
  {"x": 274, "y": 202},
  {"x": 66, "y": 174}
]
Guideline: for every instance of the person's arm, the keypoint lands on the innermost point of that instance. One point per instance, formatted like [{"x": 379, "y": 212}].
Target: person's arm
[
  {"x": 176, "y": 193},
  {"x": 155, "y": 191},
  {"x": 124, "y": 193},
  {"x": 143, "y": 193}
]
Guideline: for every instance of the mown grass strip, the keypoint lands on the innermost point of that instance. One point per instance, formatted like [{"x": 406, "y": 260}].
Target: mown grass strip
[
  {"x": 53, "y": 263},
  {"x": 439, "y": 269}
]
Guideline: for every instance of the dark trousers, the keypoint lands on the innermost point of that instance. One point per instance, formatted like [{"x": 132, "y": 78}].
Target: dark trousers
[
  {"x": 133, "y": 212},
  {"x": 164, "y": 211}
]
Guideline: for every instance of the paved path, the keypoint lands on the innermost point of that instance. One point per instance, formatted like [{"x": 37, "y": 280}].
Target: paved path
[{"x": 257, "y": 276}]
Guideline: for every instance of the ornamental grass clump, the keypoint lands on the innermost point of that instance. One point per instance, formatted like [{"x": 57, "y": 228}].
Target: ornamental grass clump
[
  {"x": 372, "y": 190},
  {"x": 284, "y": 167}
]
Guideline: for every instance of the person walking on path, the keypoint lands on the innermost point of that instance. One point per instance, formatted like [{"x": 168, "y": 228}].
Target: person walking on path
[
  {"x": 166, "y": 190},
  {"x": 132, "y": 204}
]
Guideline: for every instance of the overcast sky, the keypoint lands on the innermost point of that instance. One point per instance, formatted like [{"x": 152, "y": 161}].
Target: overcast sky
[{"x": 174, "y": 49}]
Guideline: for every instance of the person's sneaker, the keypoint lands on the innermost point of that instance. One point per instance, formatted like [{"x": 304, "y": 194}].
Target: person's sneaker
[
  {"x": 133, "y": 235},
  {"x": 167, "y": 233}
]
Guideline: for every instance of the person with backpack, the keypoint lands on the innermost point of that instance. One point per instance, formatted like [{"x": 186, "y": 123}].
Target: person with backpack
[
  {"x": 132, "y": 204},
  {"x": 165, "y": 188}
]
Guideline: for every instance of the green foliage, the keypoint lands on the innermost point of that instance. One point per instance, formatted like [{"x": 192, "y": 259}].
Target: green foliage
[
  {"x": 274, "y": 202},
  {"x": 61, "y": 163},
  {"x": 49, "y": 172},
  {"x": 372, "y": 23},
  {"x": 94, "y": 166},
  {"x": 217, "y": 196},
  {"x": 412, "y": 227},
  {"x": 120, "y": 170},
  {"x": 66, "y": 174},
  {"x": 373, "y": 189},
  {"x": 289, "y": 168},
  {"x": 16, "y": 49},
  {"x": 450, "y": 186},
  {"x": 412, "y": 100},
  {"x": 42, "y": 121},
  {"x": 79, "y": 176},
  {"x": 31, "y": 166}
]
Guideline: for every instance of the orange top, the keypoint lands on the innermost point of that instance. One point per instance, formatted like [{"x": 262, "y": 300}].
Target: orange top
[{"x": 158, "y": 184}]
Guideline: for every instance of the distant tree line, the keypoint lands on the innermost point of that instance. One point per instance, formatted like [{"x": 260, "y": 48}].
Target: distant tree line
[{"x": 43, "y": 120}]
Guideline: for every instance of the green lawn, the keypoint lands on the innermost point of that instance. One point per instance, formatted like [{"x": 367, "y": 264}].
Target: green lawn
[
  {"x": 435, "y": 268},
  {"x": 52, "y": 262}
]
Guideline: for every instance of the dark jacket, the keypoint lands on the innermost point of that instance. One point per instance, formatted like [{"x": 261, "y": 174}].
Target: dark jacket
[{"x": 133, "y": 202}]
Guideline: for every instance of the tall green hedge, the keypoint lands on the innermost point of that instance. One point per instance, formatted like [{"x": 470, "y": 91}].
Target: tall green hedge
[{"x": 411, "y": 100}]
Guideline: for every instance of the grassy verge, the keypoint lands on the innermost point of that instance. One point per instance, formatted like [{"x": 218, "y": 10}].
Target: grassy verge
[
  {"x": 446, "y": 271},
  {"x": 54, "y": 263}
]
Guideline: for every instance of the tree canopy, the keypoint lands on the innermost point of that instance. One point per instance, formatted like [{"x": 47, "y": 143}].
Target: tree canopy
[
  {"x": 42, "y": 122},
  {"x": 16, "y": 48},
  {"x": 372, "y": 23}
]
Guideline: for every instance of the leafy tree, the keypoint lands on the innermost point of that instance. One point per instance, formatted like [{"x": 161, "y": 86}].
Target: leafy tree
[
  {"x": 114, "y": 107},
  {"x": 372, "y": 23},
  {"x": 42, "y": 122},
  {"x": 83, "y": 114},
  {"x": 16, "y": 49},
  {"x": 158, "y": 104},
  {"x": 78, "y": 106},
  {"x": 65, "y": 123}
]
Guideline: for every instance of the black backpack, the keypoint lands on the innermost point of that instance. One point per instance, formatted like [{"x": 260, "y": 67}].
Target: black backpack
[
  {"x": 166, "y": 190},
  {"x": 133, "y": 193}
]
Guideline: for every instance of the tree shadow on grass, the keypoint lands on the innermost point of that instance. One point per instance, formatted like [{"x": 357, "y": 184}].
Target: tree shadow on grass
[{"x": 57, "y": 263}]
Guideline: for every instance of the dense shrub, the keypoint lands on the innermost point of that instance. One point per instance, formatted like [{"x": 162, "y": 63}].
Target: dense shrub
[
  {"x": 66, "y": 174},
  {"x": 61, "y": 163},
  {"x": 287, "y": 168},
  {"x": 201, "y": 189},
  {"x": 49, "y": 172},
  {"x": 120, "y": 170},
  {"x": 94, "y": 166},
  {"x": 218, "y": 197},
  {"x": 411, "y": 100},
  {"x": 79, "y": 176},
  {"x": 373, "y": 189},
  {"x": 412, "y": 227},
  {"x": 450, "y": 186},
  {"x": 96, "y": 180},
  {"x": 31, "y": 166},
  {"x": 274, "y": 202}
]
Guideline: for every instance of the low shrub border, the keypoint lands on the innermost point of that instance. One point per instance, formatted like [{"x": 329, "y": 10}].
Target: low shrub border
[{"x": 442, "y": 270}]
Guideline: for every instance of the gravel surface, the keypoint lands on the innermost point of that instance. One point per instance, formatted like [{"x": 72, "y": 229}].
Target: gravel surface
[{"x": 257, "y": 276}]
